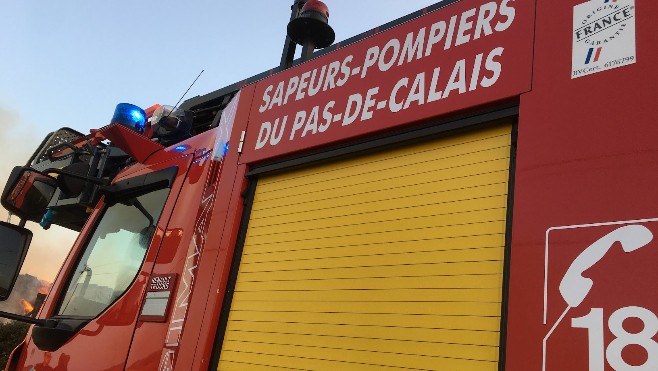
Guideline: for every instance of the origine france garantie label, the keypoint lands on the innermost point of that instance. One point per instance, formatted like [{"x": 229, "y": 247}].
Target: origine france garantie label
[{"x": 603, "y": 36}]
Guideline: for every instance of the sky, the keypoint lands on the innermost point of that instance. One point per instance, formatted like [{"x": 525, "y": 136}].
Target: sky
[{"x": 69, "y": 62}]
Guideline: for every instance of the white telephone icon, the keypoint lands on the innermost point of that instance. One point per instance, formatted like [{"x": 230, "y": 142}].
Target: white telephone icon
[{"x": 574, "y": 287}]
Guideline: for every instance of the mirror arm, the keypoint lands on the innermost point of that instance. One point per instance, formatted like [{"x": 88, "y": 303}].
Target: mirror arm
[
  {"x": 102, "y": 182},
  {"x": 30, "y": 320},
  {"x": 141, "y": 208}
]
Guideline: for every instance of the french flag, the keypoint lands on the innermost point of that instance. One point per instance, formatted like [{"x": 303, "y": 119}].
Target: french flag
[{"x": 593, "y": 55}]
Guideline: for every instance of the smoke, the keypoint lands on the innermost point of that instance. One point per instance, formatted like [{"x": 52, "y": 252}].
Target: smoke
[
  {"x": 17, "y": 145},
  {"x": 26, "y": 289},
  {"x": 18, "y": 141}
]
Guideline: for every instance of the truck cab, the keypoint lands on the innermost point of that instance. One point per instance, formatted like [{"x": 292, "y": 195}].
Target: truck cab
[{"x": 142, "y": 211}]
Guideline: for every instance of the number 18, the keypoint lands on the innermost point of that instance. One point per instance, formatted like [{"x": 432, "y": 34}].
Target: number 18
[{"x": 593, "y": 322}]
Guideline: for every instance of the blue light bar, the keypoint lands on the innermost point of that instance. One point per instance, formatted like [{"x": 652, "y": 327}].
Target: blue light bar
[{"x": 131, "y": 116}]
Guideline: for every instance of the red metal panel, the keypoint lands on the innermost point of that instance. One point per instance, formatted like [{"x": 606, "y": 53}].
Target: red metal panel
[
  {"x": 214, "y": 267},
  {"x": 587, "y": 157},
  {"x": 136, "y": 145},
  {"x": 461, "y": 56}
]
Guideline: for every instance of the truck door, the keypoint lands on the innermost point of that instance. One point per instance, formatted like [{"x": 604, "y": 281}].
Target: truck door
[{"x": 98, "y": 295}]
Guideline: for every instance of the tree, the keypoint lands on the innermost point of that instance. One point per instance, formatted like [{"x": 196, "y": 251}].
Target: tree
[{"x": 11, "y": 334}]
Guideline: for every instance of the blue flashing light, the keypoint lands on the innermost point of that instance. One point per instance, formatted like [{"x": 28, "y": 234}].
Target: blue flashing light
[
  {"x": 225, "y": 149},
  {"x": 181, "y": 148},
  {"x": 137, "y": 116},
  {"x": 131, "y": 116}
]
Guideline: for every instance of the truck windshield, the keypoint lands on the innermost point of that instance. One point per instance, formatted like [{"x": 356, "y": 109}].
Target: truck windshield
[{"x": 114, "y": 255}]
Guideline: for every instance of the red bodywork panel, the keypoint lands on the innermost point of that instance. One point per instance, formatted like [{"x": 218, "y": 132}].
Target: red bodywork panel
[
  {"x": 198, "y": 340},
  {"x": 134, "y": 144},
  {"x": 587, "y": 153}
]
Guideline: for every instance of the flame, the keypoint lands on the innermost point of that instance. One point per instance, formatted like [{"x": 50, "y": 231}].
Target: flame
[{"x": 27, "y": 307}]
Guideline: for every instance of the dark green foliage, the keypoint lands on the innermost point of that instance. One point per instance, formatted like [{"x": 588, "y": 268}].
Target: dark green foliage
[{"x": 11, "y": 334}]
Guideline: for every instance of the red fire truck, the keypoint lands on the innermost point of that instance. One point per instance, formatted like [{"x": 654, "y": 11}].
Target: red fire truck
[{"x": 467, "y": 188}]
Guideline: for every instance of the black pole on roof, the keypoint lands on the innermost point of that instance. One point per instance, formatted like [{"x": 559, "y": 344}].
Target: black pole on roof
[{"x": 289, "y": 46}]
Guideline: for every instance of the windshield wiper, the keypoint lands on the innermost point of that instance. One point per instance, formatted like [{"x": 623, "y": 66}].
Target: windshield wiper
[{"x": 30, "y": 320}]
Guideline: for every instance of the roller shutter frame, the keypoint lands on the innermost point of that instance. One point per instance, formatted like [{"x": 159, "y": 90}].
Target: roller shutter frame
[{"x": 392, "y": 260}]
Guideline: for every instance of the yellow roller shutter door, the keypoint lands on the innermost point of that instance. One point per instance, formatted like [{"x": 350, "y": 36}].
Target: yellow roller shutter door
[{"x": 390, "y": 260}]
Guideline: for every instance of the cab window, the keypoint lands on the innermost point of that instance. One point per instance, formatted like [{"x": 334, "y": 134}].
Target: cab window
[{"x": 114, "y": 254}]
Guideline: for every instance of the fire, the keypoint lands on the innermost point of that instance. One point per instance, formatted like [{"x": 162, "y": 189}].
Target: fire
[{"x": 27, "y": 307}]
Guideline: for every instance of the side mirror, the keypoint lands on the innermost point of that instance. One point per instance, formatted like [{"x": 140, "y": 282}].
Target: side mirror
[
  {"x": 28, "y": 193},
  {"x": 14, "y": 242}
]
